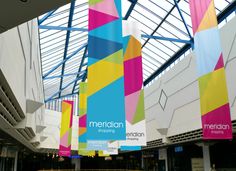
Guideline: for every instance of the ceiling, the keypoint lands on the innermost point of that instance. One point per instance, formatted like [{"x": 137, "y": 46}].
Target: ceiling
[
  {"x": 16, "y": 12},
  {"x": 166, "y": 39}
]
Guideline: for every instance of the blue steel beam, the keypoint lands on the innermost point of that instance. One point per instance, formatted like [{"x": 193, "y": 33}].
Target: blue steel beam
[
  {"x": 72, "y": 8},
  {"x": 223, "y": 15},
  {"x": 64, "y": 60},
  {"x": 63, "y": 88},
  {"x": 45, "y": 17},
  {"x": 159, "y": 25},
  {"x": 65, "y": 75},
  {"x": 85, "y": 64},
  {"x": 182, "y": 17},
  {"x": 85, "y": 75},
  {"x": 80, "y": 67},
  {"x": 85, "y": 30},
  {"x": 227, "y": 11},
  {"x": 133, "y": 3},
  {"x": 167, "y": 63},
  {"x": 64, "y": 96},
  {"x": 167, "y": 39},
  {"x": 62, "y": 28}
]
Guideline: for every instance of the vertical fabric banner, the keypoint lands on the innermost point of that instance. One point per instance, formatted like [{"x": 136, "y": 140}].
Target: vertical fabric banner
[
  {"x": 102, "y": 154},
  {"x": 97, "y": 145},
  {"x": 106, "y": 106},
  {"x": 112, "y": 148},
  {"x": 215, "y": 109},
  {"x": 82, "y": 139},
  {"x": 134, "y": 94},
  {"x": 66, "y": 128},
  {"x": 130, "y": 148},
  {"x": 86, "y": 153}
]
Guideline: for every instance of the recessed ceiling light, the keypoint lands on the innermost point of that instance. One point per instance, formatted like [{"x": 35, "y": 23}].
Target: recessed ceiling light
[{"x": 25, "y": 1}]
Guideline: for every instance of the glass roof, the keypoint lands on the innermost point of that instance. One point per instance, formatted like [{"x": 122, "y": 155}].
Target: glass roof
[{"x": 63, "y": 39}]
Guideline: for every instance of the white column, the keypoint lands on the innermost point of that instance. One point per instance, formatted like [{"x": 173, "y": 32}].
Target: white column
[
  {"x": 206, "y": 157},
  {"x": 16, "y": 159},
  {"x": 77, "y": 164},
  {"x": 142, "y": 162},
  {"x": 163, "y": 156}
]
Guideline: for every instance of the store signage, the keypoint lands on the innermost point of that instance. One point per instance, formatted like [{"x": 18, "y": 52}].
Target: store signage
[
  {"x": 178, "y": 149},
  {"x": 162, "y": 154},
  {"x": 197, "y": 164}
]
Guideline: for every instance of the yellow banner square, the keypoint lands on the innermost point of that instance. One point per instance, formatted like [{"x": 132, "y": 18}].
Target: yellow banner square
[{"x": 213, "y": 90}]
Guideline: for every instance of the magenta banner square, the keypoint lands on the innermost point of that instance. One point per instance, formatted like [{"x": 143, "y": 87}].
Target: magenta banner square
[
  {"x": 216, "y": 125},
  {"x": 82, "y": 121},
  {"x": 133, "y": 75}
]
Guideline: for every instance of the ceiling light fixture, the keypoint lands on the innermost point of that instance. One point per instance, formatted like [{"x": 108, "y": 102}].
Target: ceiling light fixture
[{"x": 25, "y": 1}]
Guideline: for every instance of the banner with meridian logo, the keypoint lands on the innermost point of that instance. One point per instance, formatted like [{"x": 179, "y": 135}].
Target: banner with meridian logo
[
  {"x": 97, "y": 145},
  {"x": 66, "y": 128},
  {"x": 215, "y": 109},
  {"x": 106, "y": 106},
  {"x": 134, "y": 94},
  {"x": 112, "y": 148}
]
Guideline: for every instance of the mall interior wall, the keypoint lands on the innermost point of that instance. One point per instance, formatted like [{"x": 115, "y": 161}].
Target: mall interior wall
[{"x": 21, "y": 84}]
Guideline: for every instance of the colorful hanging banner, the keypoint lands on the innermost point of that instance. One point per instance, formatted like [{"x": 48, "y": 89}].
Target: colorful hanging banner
[
  {"x": 106, "y": 110},
  {"x": 82, "y": 139},
  {"x": 66, "y": 128},
  {"x": 87, "y": 153},
  {"x": 86, "y": 146},
  {"x": 130, "y": 148},
  {"x": 102, "y": 154},
  {"x": 110, "y": 152},
  {"x": 97, "y": 145},
  {"x": 134, "y": 95},
  {"x": 215, "y": 110},
  {"x": 112, "y": 148}
]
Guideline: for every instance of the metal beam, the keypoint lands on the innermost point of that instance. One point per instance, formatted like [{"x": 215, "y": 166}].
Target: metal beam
[
  {"x": 133, "y": 3},
  {"x": 64, "y": 60},
  {"x": 182, "y": 17},
  {"x": 65, "y": 75},
  {"x": 80, "y": 67},
  {"x": 167, "y": 63},
  {"x": 227, "y": 11},
  {"x": 85, "y": 75},
  {"x": 63, "y": 88},
  {"x": 224, "y": 14},
  {"x": 159, "y": 25},
  {"x": 45, "y": 17},
  {"x": 64, "y": 96},
  {"x": 71, "y": 14},
  {"x": 167, "y": 39},
  {"x": 62, "y": 28}
]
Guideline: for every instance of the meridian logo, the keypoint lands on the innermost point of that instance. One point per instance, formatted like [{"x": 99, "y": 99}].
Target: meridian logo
[
  {"x": 134, "y": 134},
  {"x": 217, "y": 126},
  {"x": 106, "y": 124}
]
